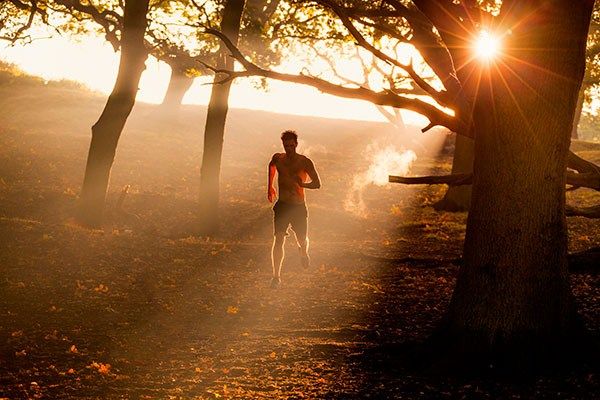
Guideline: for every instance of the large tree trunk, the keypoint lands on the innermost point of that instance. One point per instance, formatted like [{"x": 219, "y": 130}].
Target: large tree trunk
[
  {"x": 215, "y": 124},
  {"x": 512, "y": 297},
  {"x": 107, "y": 130},
  {"x": 179, "y": 84},
  {"x": 578, "y": 111}
]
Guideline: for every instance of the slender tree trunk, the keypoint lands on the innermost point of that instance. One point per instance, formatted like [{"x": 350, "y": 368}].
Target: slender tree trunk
[
  {"x": 512, "y": 297},
  {"x": 458, "y": 198},
  {"x": 578, "y": 110},
  {"x": 179, "y": 84},
  {"x": 107, "y": 130},
  {"x": 215, "y": 124}
]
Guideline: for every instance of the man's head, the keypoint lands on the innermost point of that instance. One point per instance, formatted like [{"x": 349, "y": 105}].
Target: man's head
[{"x": 290, "y": 141}]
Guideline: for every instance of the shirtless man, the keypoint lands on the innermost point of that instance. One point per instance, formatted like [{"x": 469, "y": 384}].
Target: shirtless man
[{"x": 293, "y": 169}]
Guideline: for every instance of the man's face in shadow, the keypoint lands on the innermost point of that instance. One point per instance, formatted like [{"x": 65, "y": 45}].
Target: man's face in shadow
[{"x": 289, "y": 146}]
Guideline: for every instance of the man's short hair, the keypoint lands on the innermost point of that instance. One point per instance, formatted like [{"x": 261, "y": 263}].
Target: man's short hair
[{"x": 285, "y": 135}]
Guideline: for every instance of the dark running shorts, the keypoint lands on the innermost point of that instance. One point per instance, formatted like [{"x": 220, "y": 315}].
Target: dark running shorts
[{"x": 286, "y": 214}]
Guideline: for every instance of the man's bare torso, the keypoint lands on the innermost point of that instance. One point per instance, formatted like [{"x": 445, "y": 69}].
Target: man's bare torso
[{"x": 291, "y": 171}]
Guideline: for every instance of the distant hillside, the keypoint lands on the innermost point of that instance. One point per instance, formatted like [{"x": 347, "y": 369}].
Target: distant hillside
[{"x": 30, "y": 103}]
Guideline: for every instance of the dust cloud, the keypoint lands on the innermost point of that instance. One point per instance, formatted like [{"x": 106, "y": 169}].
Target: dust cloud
[{"x": 383, "y": 162}]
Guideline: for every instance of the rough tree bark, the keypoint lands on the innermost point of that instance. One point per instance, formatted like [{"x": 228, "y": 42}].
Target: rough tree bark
[
  {"x": 215, "y": 123},
  {"x": 107, "y": 130},
  {"x": 179, "y": 84},
  {"x": 512, "y": 298}
]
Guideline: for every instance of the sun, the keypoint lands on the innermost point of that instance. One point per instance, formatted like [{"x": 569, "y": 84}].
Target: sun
[{"x": 487, "y": 46}]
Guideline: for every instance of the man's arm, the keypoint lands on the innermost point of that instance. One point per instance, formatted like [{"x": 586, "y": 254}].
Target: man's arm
[
  {"x": 271, "y": 193},
  {"x": 315, "y": 181}
]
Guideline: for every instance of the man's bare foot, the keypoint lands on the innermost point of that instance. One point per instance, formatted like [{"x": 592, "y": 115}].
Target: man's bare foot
[{"x": 275, "y": 282}]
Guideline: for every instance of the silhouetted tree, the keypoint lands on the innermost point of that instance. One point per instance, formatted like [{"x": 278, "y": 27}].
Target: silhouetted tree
[
  {"x": 215, "y": 122},
  {"x": 107, "y": 130}
]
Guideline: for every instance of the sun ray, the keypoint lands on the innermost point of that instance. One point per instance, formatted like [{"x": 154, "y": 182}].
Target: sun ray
[
  {"x": 541, "y": 69},
  {"x": 525, "y": 83},
  {"x": 541, "y": 98},
  {"x": 514, "y": 99},
  {"x": 468, "y": 61}
]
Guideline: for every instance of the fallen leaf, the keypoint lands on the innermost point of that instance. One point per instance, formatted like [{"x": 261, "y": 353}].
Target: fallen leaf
[
  {"x": 101, "y": 288},
  {"x": 232, "y": 310},
  {"x": 103, "y": 369}
]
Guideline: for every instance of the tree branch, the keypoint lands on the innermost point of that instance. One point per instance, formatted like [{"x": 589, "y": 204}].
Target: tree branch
[
  {"x": 587, "y": 175},
  {"x": 439, "y": 12},
  {"x": 109, "y": 20},
  {"x": 450, "y": 180},
  {"x": 440, "y": 97},
  {"x": 580, "y": 165},
  {"x": 33, "y": 9},
  {"x": 385, "y": 98},
  {"x": 436, "y": 54},
  {"x": 588, "y": 180}
]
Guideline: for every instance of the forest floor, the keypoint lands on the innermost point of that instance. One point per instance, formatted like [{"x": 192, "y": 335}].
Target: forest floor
[{"x": 144, "y": 308}]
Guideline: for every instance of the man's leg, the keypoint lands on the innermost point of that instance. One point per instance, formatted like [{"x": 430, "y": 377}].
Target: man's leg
[
  {"x": 300, "y": 227},
  {"x": 303, "y": 249},
  {"x": 277, "y": 253}
]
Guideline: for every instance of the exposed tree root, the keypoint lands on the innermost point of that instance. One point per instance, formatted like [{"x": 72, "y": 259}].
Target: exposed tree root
[
  {"x": 585, "y": 261},
  {"x": 588, "y": 212}
]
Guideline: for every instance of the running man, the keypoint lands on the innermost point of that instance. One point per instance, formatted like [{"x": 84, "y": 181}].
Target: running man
[{"x": 293, "y": 169}]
